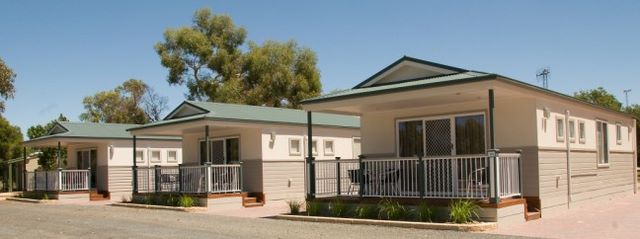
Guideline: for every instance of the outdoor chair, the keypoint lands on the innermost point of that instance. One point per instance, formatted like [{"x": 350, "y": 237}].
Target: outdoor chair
[{"x": 475, "y": 180}]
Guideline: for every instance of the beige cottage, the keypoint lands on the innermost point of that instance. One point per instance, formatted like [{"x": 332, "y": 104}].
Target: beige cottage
[
  {"x": 555, "y": 151},
  {"x": 99, "y": 160},
  {"x": 254, "y": 155}
]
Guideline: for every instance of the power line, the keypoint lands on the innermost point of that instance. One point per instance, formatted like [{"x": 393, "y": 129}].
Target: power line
[{"x": 543, "y": 74}]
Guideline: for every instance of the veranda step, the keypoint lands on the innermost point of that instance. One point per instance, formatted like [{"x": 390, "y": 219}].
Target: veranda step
[
  {"x": 532, "y": 216},
  {"x": 253, "y": 204},
  {"x": 250, "y": 200}
]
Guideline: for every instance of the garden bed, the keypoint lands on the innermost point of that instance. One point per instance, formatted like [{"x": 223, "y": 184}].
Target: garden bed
[
  {"x": 471, "y": 227},
  {"x": 160, "y": 207},
  {"x": 30, "y": 200}
]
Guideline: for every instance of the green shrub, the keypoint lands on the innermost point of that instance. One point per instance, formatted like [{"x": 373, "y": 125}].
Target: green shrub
[
  {"x": 186, "y": 201},
  {"x": 172, "y": 200},
  {"x": 393, "y": 210},
  {"x": 425, "y": 212},
  {"x": 45, "y": 196},
  {"x": 463, "y": 211},
  {"x": 338, "y": 208},
  {"x": 313, "y": 208},
  {"x": 294, "y": 206},
  {"x": 366, "y": 212}
]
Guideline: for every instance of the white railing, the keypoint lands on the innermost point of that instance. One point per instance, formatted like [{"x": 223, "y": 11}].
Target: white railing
[
  {"x": 443, "y": 177},
  {"x": 510, "y": 175},
  {"x": 225, "y": 178},
  {"x": 58, "y": 180}
]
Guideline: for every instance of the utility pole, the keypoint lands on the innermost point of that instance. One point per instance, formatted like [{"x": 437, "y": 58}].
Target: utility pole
[
  {"x": 626, "y": 97},
  {"x": 543, "y": 74}
]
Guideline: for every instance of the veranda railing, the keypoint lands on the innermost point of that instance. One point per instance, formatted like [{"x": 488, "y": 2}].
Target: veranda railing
[
  {"x": 446, "y": 177},
  {"x": 210, "y": 178},
  {"x": 59, "y": 180}
]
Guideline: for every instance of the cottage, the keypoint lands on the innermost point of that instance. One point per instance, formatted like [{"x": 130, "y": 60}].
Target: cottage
[
  {"x": 239, "y": 155},
  {"x": 98, "y": 163},
  {"x": 432, "y": 131}
]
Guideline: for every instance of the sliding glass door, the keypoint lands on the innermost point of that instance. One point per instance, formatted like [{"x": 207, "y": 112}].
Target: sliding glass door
[{"x": 222, "y": 151}]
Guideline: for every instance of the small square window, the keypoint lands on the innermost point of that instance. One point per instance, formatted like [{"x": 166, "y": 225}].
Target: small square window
[
  {"x": 560, "y": 129},
  {"x": 328, "y": 147},
  {"x": 294, "y": 146},
  {"x": 581, "y": 132},
  {"x": 572, "y": 131},
  {"x": 155, "y": 156},
  {"x": 618, "y": 134},
  {"x": 139, "y": 156},
  {"x": 172, "y": 156}
]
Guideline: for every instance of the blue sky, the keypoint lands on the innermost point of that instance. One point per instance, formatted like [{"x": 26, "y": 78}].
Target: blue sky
[{"x": 65, "y": 50}]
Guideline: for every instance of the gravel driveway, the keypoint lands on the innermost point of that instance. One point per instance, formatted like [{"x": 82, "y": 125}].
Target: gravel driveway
[{"x": 24, "y": 220}]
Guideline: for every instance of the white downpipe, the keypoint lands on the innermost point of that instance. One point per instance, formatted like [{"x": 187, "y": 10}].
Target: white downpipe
[
  {"x": 568, "y": 143},
  {"x": 635, "y": 157}
]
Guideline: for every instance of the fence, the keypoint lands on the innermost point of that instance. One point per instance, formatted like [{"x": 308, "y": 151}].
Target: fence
[
  {"x": 432, "y": 177},
  {"x": 59, "y": 180},
  {"x": 225, "y": 178}
]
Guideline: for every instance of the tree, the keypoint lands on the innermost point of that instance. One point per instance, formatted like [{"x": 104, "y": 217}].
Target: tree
[
  {"x": 601, "y": 97},
  {"x": 133, "y": 102},
  {"x": 203, "y": 56},
  {"x": 7, "y": 78},
  {"x": 10, "y": 139},
  {"x": 154, "y": 105},
  {"x": 48, "y": 157},
  {"x": 207, "y": 57},
  {"x": 280, "y": 74}
]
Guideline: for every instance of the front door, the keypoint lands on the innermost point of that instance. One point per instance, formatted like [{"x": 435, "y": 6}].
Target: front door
[
  {"x": 88, "y": 159},
  {"x": 217, "y": 152}
]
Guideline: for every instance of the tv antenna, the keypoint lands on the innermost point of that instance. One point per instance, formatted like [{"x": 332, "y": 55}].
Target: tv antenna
[
  {"x": 543, "y": 75},
  {"x": 626, "y": 97}
]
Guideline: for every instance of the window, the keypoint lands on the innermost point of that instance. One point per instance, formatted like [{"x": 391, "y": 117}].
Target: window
[
  {"x": 86, "y": 158},
  {"x": 560, "y": 129},
  {"x": 452, "y": 135},
  {"x": 572, "y": 131},
  {"x": 328, "y": 147},
  {"x": 581, "y": 132},
  {"x": 221, "y": 150},
  {"x": 155, "y": 156},
  {"x": 357, "y": 151},
  {"x": 602, "y": 145},
  {"x": 172, "y": 156},
  {"x": 140, "y": 156},
  {"x": 618, "y": 134},
  {"x": 294, "y": 147}
]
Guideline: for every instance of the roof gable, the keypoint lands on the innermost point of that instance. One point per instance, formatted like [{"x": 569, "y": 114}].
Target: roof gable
[
  {"x": 186, "y": 109},
  {"x": 406, "y": 69},
  {"x": 57, "y": 129}
]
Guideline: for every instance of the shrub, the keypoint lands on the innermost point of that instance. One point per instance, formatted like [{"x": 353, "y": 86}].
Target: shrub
[
  {"x": 186, "y": 201},
  {"x": 294, "y": 206},
  {"x": 425, "y": 212},
  {"x": 313, "y": 208},
  {"x": 338, "y": 208},
  {"x": 366, "y": 211},
  {"x": 393, "y": 210},
  {"x": 463, "y": 211},
  {"x": 172, "y": 200},
  {"x": 45, "y": 196}
]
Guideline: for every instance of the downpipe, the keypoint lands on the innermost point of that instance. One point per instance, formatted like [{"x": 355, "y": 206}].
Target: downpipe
[{"x": 568, "y": 145}]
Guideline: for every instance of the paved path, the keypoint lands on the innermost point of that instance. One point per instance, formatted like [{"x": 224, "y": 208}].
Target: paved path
[
  {"x": 609, "y": 219},
  {"x": 24, "y": 220}
]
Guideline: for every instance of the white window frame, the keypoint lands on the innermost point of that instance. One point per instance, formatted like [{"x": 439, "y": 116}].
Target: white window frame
[
  {"x": 175, "y": 158},
  {"x": 452, "y": 119},
  {"x": 333, "y": 147},
  {"x": 582, "y": 134},
  {"x": 292, "y": 151},
  {"x": 618, "y": 133},
  {"x": 141, "y": 156},
  {"x": 353, "y": 146},
  {"x": 572, "y": 130},
  {"x": 151, "y": 152},
  {"x": 560, "y": 132}
]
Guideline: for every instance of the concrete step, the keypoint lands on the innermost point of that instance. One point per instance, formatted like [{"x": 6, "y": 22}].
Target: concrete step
[{"x": 253, "y": 204}]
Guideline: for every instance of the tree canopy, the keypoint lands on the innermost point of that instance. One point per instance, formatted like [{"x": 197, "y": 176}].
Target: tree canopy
[
  {"x": 11, "y": 137},
  {"x": 601, "y": 97},
  {"x": 132, "y": 102},
  {"x": 7, "y": 78},
  {"x": 208, "y": 58}
]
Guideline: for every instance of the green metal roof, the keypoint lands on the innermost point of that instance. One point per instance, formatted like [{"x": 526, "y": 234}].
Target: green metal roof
[
  {"x": 402, "y": 86},
  {"x": 93, "y": 131},
  {"x": 257, "y": 114}
]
